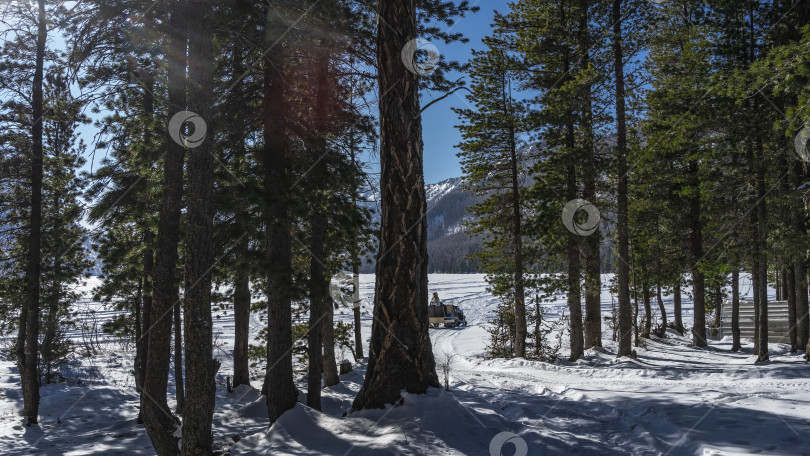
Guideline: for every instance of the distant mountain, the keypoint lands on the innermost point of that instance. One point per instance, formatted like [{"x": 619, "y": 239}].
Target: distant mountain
[{"x": 448, "y": 243}]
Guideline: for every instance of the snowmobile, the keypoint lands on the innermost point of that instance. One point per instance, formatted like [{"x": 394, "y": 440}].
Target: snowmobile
[{"x": 446, "y": 314}]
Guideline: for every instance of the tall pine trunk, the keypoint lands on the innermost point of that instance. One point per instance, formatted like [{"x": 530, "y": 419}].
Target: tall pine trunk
[
  {"x": 696, "y": 248},
  {"x": 623, "y": 263},
  {"x": 735, "y": 310},
  {"x": 278, "y": 382},
  {"x": 517, "y": 235},
  {"x": 317, "y": 314},
  {"x": 790, "y": 293},
  {"x": 159, "y": 422},
  {"x": 663, "y": 310},
  {"x": 241, "y": 310},
  {"x": 762, "y": 234},
  {"x": 800, "y": 283},
  {"x": 28, "y": 337},
  {"x": 179, "y": 386},
  {"x": 577, "y": 340},
  {"x": 330, "y": 370},
  {"x": 645, "y": 296},
  {"x": 400, "y": 355},
  {"x": 593, "y": 279},
  {"x": 201, "y": 366},
  {"x": 358, "y": 335},
  {"x": 676, "y": 305}
]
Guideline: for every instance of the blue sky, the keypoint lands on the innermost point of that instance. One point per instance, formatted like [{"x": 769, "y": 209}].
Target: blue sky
[{"x": 438, "y": 122}]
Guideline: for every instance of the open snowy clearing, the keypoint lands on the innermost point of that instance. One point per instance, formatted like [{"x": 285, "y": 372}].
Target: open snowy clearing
[{"x": 673, "y": 399}]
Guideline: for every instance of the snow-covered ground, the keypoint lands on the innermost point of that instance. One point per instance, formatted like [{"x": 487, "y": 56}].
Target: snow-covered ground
[{"x": 672, "y": 399}]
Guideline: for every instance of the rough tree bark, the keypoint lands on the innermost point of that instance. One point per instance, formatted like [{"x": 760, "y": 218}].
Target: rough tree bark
[
  {"x": 278, "y": 382},
  {"x": 159, "y": 422},
  {"x": 28, "y": 336},
  {"x": 517, "y": 234},
  {"x": 623, "y": 266},
  {"x": 696, "y": 247},
  {"x": 593, "y": 265},
  {"x": 201, "y": 366},
  {"x": 317, "y": 314},
  {"x": 400, "y": 355}
]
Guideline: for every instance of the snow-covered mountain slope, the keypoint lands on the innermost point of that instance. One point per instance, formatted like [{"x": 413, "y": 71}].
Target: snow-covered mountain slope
[{"x": 448, "y": 243}]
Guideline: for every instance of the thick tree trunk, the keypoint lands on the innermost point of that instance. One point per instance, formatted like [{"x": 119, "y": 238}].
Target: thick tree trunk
[
  {"x": 517, "y": 242},
  {"x": 278, "y": 382},
  {"x": 800, "y": 284},
  {"x": 577, "y": 340},
  {"x": 696, "y": 240},
  {"x": 201, "y": 367},
  {"x": 623, "y": 263},
  {"x": 593, "y": 280},
  {"x": 400, "y": 355},
  {"x": 676, "y": 304},
  {"x": 241, "y": 310},
  {"x": 663, "y": 310},
  {"x": 159, "y": 422},
  {"x": 735, "y": 310},
  {"x": 317, "y": 311},
  {"x": 28, "y": 341}
]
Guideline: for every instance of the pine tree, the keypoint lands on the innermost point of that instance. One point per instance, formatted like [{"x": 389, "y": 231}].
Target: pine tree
[{"x": 495, "y": 167}]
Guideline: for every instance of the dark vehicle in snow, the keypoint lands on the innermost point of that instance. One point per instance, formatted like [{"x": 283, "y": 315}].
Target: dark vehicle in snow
[{"x": 448, "y": 315}]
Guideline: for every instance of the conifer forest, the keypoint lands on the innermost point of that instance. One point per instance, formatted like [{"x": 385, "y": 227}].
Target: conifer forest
[{"x": 404, "y": 227}]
